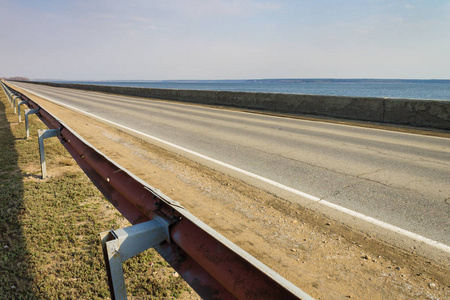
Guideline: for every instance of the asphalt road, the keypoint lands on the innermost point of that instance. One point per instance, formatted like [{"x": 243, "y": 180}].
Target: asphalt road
[{"x": 401, "y": 179}]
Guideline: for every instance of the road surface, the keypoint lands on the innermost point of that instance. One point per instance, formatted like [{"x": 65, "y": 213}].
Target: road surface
[{"x": 398, "y": 178}]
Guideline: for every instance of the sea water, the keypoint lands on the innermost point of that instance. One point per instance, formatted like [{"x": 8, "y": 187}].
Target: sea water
[{"x": 410, "y": 89}]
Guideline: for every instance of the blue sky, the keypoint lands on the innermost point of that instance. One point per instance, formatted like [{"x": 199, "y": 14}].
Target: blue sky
[{"x": 225, "y": 39}]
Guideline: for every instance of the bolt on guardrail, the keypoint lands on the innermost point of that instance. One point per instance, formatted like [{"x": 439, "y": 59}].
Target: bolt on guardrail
[{"x": 45, "y": 134}]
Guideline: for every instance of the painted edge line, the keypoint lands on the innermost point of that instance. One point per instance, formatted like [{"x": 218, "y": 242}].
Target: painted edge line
[
  {"x": 350, "y": 212},
  {"x": 246, "y": 112}
]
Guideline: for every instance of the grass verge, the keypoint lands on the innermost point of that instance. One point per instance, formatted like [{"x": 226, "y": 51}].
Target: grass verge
[{"x": 49, "y": 229}]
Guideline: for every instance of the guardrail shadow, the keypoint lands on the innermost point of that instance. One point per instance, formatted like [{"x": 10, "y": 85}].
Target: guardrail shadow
[{"x": 16, "y": 280}]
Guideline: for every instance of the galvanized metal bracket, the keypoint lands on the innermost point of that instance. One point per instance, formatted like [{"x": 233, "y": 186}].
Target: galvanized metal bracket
[
  {"x": 13, "y": 103},
  {"x": 18, "y": 108},
  {"x": 45, "y": 134},
  {"x": 122, "y": 244},
  {"x": 27, "y": 113}
]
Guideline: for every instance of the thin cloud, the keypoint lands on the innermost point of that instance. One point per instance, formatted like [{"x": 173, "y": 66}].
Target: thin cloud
[{"x": 153, "y": 39}]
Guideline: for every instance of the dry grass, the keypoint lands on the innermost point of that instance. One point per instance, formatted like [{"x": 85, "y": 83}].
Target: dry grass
[{"x": 49, "y": 229}]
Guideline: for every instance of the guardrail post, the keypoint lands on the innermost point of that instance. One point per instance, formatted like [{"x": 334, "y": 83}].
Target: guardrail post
[
  {"x": 44, "y": 134},
  {"x": 11, "y": 99},
  {"x": 122, "y": 244},
  {"x": 29, "y": 112},
  {"x": 10, "y": 94},
  {"x": 18, "y": 108},
  {"x": 14, "y": 103}
]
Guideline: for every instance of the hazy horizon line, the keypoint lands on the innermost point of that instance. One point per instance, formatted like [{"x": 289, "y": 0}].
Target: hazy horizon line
[{"x": 241, "y": 80}]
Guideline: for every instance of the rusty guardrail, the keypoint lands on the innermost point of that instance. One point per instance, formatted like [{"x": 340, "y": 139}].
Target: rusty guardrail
[{"x": 211, "y": 264}]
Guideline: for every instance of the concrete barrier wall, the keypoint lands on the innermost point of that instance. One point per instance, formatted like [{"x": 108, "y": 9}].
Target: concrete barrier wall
[{"x": 420, "y": 113}]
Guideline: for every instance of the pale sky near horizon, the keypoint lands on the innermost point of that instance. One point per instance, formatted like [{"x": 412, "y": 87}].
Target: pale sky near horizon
[{"x": 224, "y": 39}]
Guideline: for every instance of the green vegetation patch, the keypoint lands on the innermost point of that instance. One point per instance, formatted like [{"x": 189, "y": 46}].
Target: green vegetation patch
[{"x": 49, "y": 229}]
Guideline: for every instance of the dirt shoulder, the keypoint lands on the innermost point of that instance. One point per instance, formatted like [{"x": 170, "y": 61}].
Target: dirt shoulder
[
  {"x": 49, "y": 229},
  {"x": 324, "y": 258}
]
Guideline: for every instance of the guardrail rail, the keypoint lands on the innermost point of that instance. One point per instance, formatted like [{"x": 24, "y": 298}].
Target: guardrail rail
[{"x": 211, "y": 264}]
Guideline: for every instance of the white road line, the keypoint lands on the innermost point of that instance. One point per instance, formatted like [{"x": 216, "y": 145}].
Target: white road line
[{"x": 352, "y": 213}]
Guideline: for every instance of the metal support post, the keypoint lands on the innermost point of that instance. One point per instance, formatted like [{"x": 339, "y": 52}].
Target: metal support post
[
  {"x": 18, "y": 109},
  {"x": 29, "y": 112},
  {"x": 10, "y": 98},
  {"x": 44, "y": 134},
  {"x": 10, "y": 95},
  {"x": 122, "y": 244},
  {"x": 14, "y": 103}
]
